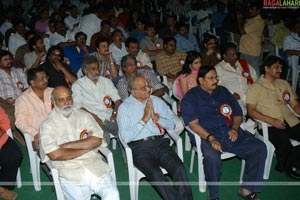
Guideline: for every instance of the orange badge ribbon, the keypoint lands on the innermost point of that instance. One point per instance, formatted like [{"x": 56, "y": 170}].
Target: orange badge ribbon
[
  {"x": 246, "y": 71},
  {"x": 286, "y": 97},
  {"x": 226, "y": 111},
  {"x": 20, "y": 86},
  {"x": 107, "y": 101},
  {"x": 84, "y": 134}
]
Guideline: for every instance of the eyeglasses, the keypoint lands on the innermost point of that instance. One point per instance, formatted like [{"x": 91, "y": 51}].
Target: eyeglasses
[
  {"x": 145, "y": 88},
  {"x": 211, "y": 78}
]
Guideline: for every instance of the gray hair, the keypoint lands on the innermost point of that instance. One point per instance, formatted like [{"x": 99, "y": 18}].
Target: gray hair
[
  {"x": 125, "y": 58},
  {"x": 87, "y": 61},
  {"x": 131, "y": 81}
]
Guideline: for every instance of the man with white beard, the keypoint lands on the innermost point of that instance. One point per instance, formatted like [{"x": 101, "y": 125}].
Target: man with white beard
[
  {"x": 70, "y": 139},
  {"x": 98, "y": 96}
]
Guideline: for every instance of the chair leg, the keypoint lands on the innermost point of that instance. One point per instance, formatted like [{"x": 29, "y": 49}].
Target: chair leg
[
  {"x": 192, "y": 160},
  {"x": 35, "y": 170},
  {"x": 202, "y": 182},
  {"x": 268, "y": 163},
  {"x": 188, "y": 145},
  {"x": 242, "y": 171},
  {"x": 19, "y": 179},
  {"x": 114, "y": 143}
]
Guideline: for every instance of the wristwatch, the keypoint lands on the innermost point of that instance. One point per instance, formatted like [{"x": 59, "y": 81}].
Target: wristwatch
[{"x": 114, "y": 112}]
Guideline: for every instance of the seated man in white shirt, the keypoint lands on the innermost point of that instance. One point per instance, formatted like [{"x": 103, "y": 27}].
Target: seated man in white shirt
[
  {"x": 96, "y": 95},
  {"x": 143, "y": 60},
  {"x": 236, "y": 75},
  {"x": 70, "y": 139}
]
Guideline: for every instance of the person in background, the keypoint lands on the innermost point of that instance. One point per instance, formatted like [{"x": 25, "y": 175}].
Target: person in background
[
  {"x": 211, "y": 54},
  {"x": 187, "y": 78},
  {"x": 251, "y": 35},
  {"x": 77, "y": 52},
  {"x": 57, "y": 69}
]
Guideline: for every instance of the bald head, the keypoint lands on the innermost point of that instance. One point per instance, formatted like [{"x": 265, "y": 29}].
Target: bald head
[
  {"x": 61, "y": 96},
  {"x": 139, "y": 88}
]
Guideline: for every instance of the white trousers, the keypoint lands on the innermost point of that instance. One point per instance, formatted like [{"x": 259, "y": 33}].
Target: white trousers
[{"x": 105, "y": 187}]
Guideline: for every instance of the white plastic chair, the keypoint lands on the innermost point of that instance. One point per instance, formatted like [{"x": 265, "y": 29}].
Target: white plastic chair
[
  {"x": 295, "y": 71},
  {"x": 55, "y": 174},
  {"x": 179, "y": 122},
  {"x": 164, "y": 80},
  {"x": 34, "y": 161},
  {"x": 187, "y": 145},
  {"x": 270, "y": 148},
  {"x": 201, "y": 176},
  {"x": 136, "y": 175},
  {"x": 19, "y": 179}
]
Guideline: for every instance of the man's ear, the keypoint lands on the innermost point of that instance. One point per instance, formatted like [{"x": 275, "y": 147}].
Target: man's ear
[
  {"x": 200, "y": 79},
  {"x": 31, "y": 82}
]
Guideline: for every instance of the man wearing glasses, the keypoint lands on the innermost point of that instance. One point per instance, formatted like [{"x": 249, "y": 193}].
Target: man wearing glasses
[
  {"x": 213, "y": 113},
  {"x": 142, "y": 119},
  {"x": 33, "y": 105}
]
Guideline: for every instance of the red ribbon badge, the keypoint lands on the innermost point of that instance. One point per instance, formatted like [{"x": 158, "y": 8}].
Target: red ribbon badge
[
  {"x": 20, "y": 86},
  {"x": 107, "y": 101},
  {"x": 226, "y": 111},
  {"x": 286, "y": 97},
  {"x": 246, "y": 71},
  {"x": 181, "y": 62},
  {"x": 218, "y": 56},
  {"x": 161, "y": 130},
  {"x": 84, "y": 134},
  {"x": 157, "y": 46},
  {"x": 107, "y": 73}
]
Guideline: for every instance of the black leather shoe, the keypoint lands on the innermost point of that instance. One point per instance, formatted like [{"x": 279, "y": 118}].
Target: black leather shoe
[{"x": 293, "y": 173}]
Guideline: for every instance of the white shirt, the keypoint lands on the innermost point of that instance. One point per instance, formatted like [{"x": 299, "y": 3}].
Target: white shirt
[
  {"x": 93, "y": 96},
  {"x": 56, "y": 38},
  {"x": 233, "y": 79},
  {"x": 57, "y": 130},
  {"x": 89, "y": 24},
  {"x": 143, "y": 59},
  {"x": 118, "y": 53},
  {"x": 291, "y": 42},
  {"x": 70, "y": 21},
  {"x": 14, "y": 42},
  {"x": 5, "y": 26}
]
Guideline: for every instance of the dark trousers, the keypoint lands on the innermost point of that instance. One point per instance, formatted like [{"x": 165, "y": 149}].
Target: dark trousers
[
  {"x": 286, "y": 155},
  {"x": 252, "y": 150},
  {"x": 149, "y": 156},
  {"x": 10, "y": 160}
]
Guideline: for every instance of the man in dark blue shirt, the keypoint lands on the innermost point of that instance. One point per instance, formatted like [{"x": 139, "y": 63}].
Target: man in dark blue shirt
[{"x": 213, "y": 113}]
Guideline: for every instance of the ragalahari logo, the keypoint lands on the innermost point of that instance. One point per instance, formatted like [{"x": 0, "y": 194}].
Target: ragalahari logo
[{"x": 273, "y": 4}]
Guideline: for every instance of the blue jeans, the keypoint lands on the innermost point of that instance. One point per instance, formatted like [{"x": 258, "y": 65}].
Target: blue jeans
[{"x": 149, "y": 156}]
